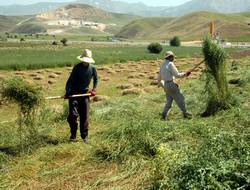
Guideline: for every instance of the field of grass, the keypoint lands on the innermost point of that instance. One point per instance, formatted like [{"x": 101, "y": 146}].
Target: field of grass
[
  {"x": 83, "y": 34},
  {"x": 48, "y": 56},
  {"x": 130, "y": 147}
]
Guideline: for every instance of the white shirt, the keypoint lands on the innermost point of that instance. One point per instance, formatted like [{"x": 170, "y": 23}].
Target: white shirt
[{"x": 168, "y": 72}]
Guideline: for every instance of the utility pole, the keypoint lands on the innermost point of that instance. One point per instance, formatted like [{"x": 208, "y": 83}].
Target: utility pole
[{"x": 212, "y": 29}]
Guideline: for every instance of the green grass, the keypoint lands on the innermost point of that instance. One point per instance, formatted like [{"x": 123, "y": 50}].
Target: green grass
[
  {"x": 131, "y": 148},
  {"x": 83, "y": 34},
  {"x": 48, "y": 56}
]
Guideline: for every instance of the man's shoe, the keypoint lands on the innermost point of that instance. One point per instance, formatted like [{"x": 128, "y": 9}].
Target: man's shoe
[
  {"x": 72, "y": 138},
  {"x": 163, "y": 117},
  {"x": 187, "y": 115},
  {"x": 86, "y": 140}
]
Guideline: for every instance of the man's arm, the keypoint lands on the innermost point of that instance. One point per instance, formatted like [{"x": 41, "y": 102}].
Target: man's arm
[
  {"x": 69, "y": 83},
  {"x": 175, "y": 71},
  {"x": 95, "y": 78},
  {"x": 160, "y": 81}
]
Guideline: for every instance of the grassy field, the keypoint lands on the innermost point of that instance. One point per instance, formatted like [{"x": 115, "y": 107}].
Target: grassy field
[
  {"x": 48, "y": 56},
  {"x": 83, "y": 34},
  {"x": 130, "y": 147},
  {"x": 38, "y": 56}
]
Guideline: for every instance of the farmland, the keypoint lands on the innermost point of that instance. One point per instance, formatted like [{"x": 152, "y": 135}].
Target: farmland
[
  {"x": 129, "y": 146},
  {"x": 36, "y": 57}
]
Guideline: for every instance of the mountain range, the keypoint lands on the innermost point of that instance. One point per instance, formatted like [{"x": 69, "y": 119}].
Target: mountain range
[{"x": 140, "y": 9}]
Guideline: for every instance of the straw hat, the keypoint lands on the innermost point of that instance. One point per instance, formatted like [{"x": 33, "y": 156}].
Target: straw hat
[
  {"x": 169, "y": 53},
  {"x": 86, "y": 57}
]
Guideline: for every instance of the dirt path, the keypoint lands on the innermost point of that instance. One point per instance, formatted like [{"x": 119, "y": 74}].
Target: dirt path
[{"x": 23, "y": 21}]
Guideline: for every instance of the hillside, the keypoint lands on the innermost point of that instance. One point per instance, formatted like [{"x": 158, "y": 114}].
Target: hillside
[
  {"x": 79, "y": 15},
  {"x": 7, "y": 23},
  {"x": 190, "y": 27},
  {"x": 70, "y": 19},
  {"x": 76, "y": 11}
]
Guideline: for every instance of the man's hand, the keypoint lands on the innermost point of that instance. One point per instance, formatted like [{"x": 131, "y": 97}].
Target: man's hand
[
  {"x": 66, "y": 96},
  {"x": 93, "y": 92},
  {"x": 188, "y": 73}
]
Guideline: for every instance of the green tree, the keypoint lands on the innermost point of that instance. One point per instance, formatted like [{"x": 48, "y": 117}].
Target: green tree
[
  {"x": 155, "y": 48},
  {"x": 175, "y": 41},
  {"x": 64, "y": 41}
]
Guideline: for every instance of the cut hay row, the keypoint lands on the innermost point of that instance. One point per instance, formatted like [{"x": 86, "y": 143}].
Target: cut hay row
[
  {"x": 124, "y": 86},
  {"x": 100, "y": 98},
  {"x": 135, "y": 91}
]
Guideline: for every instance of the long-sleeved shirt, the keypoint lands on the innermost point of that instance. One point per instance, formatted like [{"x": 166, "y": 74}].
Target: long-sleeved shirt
[
  {"x": 168, "y": 72},
  {"x": 80, "y": 78}
]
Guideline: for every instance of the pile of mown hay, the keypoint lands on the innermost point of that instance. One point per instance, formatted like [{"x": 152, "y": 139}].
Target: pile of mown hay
[
  {"x": 136, "y": 91},
  {"x": 218, "y": 95},
  {"x": 53, "y": 75},
  {"x": 137, "y": 83},
  {"x": 105, "y": 79},
  {"x": 40, "y": 72},
  {"x": 149, "y": 89},
  {"x": 154, "y": 83},
  {"x": 100, "y": 98},
  {"x": 33, "y": 74},
  {"x": 19, "y": 73},
  {"x": 111, "y": 71},
  {"x": 51, "y": 81},
  {"x": 137, "y": 75},
  {"x": 152, "y": 77},
  {"x": 58, "y": 72},
  {"x": 124, "y": 86}
]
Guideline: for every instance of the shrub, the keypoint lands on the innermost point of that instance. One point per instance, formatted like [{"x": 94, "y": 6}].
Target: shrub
[
  {"x": 64, "y": 41},
  {"x": 155, "y": 48},
  {"x": 175, "y": 41},
  {"x": 216, "y": 87},
  {"x": 22, "y": 40},
  {"x": 54, "y": 43}
]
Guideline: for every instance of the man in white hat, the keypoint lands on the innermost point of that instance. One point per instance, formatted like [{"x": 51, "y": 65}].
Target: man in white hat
[
  {"x": 78, "y": 83},
  {"x": 166, "y": 77}
]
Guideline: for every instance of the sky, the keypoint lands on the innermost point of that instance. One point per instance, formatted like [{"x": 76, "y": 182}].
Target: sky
[{"x": 148, "y": 2}]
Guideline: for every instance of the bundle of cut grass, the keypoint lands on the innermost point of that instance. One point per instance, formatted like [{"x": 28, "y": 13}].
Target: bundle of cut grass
[
  {"x": 22, "y": 93},
  {"x": 28, "y": 98},
  {"x": 216, "y": 83}
]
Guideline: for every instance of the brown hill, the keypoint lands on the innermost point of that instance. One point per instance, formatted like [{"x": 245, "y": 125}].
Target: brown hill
[
  {"x": 76, "y": 11},
  {"x": 190, "y": 27}
]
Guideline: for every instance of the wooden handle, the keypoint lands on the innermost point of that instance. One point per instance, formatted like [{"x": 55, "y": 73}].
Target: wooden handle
[
  {"x": 62, "y": 97},
  {"x": 196, "y": 66}
]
